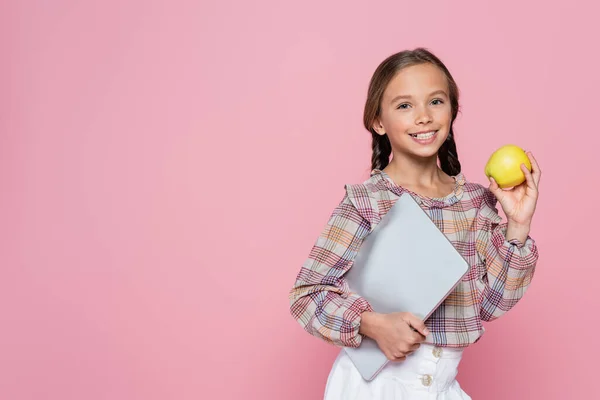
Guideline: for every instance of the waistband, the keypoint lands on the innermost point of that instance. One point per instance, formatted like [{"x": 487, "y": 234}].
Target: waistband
[
  {"x": 439, "y": 352},
  {"x": 429, "y": 368}
]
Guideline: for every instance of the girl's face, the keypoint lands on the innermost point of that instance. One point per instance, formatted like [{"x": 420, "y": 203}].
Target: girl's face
[{"x": 415, "y": 111}]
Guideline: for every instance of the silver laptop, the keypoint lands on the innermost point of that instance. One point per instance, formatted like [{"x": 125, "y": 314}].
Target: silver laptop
[{"x": 405, "y": 264}]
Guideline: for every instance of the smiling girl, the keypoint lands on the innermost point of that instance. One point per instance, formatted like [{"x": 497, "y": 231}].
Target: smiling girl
[{"x": 411, "y": 106}]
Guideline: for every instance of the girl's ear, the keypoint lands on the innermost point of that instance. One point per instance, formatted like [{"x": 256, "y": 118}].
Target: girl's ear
[{"x": 378, "y": 127}]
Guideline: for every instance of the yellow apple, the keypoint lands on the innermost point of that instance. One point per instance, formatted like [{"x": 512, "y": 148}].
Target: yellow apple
[{"x": 505, "y": 166}]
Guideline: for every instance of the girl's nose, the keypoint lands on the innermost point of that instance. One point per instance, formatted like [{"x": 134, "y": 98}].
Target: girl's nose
[{"x": 423, "y": 117}]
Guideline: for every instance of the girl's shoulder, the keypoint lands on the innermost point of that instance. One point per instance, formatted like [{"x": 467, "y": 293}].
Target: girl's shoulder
[
  {"x": 369, "y": 197},
  {"x": 373, "y": 187}
]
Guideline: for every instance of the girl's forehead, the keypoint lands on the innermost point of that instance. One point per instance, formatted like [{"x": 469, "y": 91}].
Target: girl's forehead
[{"x": 417, "y": 80}]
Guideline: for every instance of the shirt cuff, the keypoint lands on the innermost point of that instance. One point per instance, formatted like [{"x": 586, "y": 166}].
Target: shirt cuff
[
  {"x": 354, "y": 315},
  {"x": 520, "y": 255}
]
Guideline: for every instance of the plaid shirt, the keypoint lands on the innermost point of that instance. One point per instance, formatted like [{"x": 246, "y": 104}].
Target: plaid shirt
[{"x": 500, "y": 272}]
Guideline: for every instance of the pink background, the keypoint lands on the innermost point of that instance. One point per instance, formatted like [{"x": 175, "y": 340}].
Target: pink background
[{"x": 165, "y": 168}]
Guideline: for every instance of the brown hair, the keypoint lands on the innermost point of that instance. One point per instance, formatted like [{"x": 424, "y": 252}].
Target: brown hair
[{"x": 385, "y": 72}]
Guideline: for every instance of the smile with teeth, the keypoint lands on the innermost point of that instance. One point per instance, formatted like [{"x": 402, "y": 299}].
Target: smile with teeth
[{"x": 423, "y": 136}]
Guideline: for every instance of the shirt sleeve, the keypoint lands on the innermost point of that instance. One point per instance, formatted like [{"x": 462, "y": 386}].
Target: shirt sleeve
[
  {"x": 509, "y": 265},
  {"x": 320, "y": 299}
]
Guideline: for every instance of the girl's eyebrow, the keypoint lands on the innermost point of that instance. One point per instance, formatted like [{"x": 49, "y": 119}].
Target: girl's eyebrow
[{"x": 406, "y": 96}]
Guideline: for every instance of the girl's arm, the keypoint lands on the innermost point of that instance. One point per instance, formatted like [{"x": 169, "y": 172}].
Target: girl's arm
[
  {"x": 510, "y": 256},
  {"x": 320, "y": 299},
  {"x": 509, "y": 252}
]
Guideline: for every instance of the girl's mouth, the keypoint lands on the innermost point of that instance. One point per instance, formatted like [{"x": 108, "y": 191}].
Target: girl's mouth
[{"x": 425, "y": 137}]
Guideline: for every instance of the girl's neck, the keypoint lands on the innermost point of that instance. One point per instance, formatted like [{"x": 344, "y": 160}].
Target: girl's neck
[{"x": 423, "y": 173}]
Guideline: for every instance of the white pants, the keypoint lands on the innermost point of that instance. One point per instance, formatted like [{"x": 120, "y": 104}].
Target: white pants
[{"x": 428, "y": 373}]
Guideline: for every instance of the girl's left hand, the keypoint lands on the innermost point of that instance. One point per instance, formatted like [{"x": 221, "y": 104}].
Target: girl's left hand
[{"x": 519, "y": 202}]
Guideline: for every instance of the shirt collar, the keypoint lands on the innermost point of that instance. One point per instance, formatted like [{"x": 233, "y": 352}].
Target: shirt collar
[{"x": 439, "y": 202}]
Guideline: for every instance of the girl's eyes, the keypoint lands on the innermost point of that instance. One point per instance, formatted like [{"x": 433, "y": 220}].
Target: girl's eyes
[{"x": 435, "y": 102}]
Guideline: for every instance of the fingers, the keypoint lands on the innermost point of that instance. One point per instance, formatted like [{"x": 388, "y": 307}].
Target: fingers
[
  {"x": 528, "y": 178},
  {"x": 494, "y": 188},
  {"x": 406, "y": 336},
  {"x": 417, "y": 324},
  {"x": 400, "y": 355},
  {"x": 414, "y": 347},
  {"x": 535, "y": 169}
]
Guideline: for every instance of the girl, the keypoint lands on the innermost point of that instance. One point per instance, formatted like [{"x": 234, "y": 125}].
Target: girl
[{"x": 411, "y": 106}]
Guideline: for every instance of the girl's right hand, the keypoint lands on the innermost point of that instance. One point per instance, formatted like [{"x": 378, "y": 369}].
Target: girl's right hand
[{"x": 393, "y": 333}]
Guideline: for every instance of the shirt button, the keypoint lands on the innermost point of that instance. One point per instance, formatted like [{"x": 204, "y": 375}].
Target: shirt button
[
  {"x": 426, "y": 380},
  {"x": 437, "y": 352}
]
